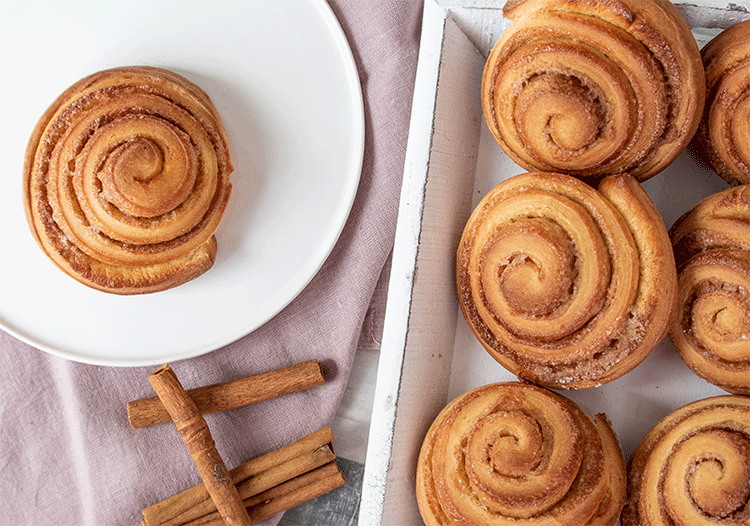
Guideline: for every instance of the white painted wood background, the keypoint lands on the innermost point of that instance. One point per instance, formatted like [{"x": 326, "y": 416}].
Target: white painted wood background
[{"x": 451, "y": 161}]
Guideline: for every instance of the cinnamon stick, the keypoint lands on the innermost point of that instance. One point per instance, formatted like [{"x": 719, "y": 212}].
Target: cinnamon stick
[
  {"x": 196, "y": 435},
  {"x": 284, "y": 496},
  {"x": 232, "y": 394},
  {"x": 296, "y": 491},
  {"x": 253, "y": 476},
  {"x": 261, "y": 482}
]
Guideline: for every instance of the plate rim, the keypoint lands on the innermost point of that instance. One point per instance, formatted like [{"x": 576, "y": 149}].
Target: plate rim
[{"x": 344, "y": 209}]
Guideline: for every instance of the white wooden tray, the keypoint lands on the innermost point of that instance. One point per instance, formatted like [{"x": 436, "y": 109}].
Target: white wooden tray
[{"x": 428, "y": 353}]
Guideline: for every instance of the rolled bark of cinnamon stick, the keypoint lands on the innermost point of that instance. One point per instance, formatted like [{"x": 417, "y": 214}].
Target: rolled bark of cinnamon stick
[
  {"x": 232, "y": 394},
  {"x": 295, "y": 492},
  {"x": 251, "y": 478},
  {"x": 284, "y": 496},
  {"x": 259, "y": 484},
  {"x": 196, "y": 435}
]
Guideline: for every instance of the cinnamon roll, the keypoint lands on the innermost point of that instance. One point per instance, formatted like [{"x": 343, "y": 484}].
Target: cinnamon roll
[
  {"x": 513, "y": 453},
  {"x": 724, "y": 132},
  {"x": 693, "y": 467},
  {"x": 567, "y": 286},
  {"x": 711, "y": 329},
  {"x": 126, "y": 178},
  {"x": 594, "y": 88}
]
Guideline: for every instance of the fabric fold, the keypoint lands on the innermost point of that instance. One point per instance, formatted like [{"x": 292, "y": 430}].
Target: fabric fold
[{"x": 68, "y": 453}]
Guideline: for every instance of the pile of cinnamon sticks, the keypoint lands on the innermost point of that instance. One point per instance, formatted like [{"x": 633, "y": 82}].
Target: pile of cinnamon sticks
[{"x": 257, "y": 489}]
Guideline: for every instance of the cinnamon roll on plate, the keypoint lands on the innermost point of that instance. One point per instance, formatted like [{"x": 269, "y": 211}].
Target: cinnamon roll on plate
[{"x": 126, "y": 178}]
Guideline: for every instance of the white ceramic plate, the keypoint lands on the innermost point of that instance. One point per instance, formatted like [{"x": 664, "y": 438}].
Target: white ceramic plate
[{"x": 282, "y": 76}]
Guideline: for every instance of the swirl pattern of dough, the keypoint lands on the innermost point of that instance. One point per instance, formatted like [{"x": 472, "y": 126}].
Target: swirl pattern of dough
[
  {"x": 594, "y": 88},
  {"x": 724, "y": 132},
  {"x": 513, "y": 453},
  {"x": 711, "y": 329},
  {"x": 693, "y": 467},
  {"x": 566, "y": 286},
  {"x": 126, "y": 179}
]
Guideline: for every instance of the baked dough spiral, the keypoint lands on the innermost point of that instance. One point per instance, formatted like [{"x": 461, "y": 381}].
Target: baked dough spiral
[
  {"x": 513, "y": 453},
  {"x": 724, "y": 132},
  {"x": 711, "y": 329},
  {"x": 126, "y": 178},
  {"x": 594, "y": 88},
  {"x": 693, "y": 467},
  {"x": 566, "y": 286}
]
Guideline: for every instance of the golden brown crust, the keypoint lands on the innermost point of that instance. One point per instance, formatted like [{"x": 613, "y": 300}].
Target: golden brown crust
[
  {"x": 126, "y": 178},
  {"x": 513, "y": 453},
  {"x": 724, "y": 132},
  {"x": 594, "y": 88},
  {"x": 693, "y": 467},
  {"x": 564, "y": 285},
  {"x": 711, "y": 329}
]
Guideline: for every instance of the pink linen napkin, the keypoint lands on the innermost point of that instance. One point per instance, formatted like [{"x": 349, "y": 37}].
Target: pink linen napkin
[{"x": 67, "y": 453}]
